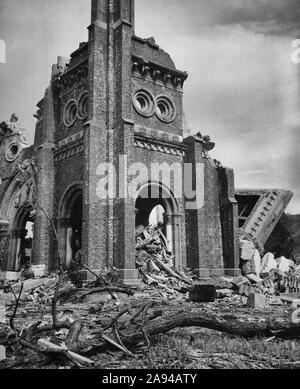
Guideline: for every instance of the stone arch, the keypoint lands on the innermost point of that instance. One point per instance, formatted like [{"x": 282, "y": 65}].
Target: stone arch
[
  {"x": 17, "y": 190},
  {"x": 151, "y": 195},
  {"x": 21, "y": 238},
  {"x": 70, "y": 223},
  {"x": 17, "y": 208}
]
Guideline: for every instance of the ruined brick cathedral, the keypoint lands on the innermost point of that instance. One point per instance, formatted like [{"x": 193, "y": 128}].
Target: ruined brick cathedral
[{"x": 118, "y": 95}]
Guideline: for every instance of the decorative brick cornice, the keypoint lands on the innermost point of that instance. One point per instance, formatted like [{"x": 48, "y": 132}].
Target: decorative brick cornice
[
  {"x": 68, "y": 153},
  {"x": 142, "y": 67},
  {"x": 157, "y": 135},
  {"x": 154, "y": 140},
  {"x": 74, "y": 75},
  {"x": 142, "y": 144},
  {"x": 71, "y": 139},
  {"x": 69, "y": 147}
]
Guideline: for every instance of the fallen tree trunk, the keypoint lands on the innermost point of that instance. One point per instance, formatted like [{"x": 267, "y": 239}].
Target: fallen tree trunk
[{"x": 239, "y": 324}]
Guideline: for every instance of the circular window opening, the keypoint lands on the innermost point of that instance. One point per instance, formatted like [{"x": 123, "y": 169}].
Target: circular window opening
[
  {"x": 143, "y": 102},
  {"x": 13, "y": 151},
  {"x": 165, "y": 109},
  {"x": 70, "y": 113},
  {"x": 83, "y": 106}
]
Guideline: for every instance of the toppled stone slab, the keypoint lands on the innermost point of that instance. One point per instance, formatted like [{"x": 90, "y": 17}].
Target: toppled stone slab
[
  {"x": 203, "y": 292},
  {"x": 256, "y": 300},
  {"x": 275, "y": 301},
  {"x": 29, "y": 285},
  {"x": 294, "y": 301},
  {"x": 10, "y": 276},
  {"x": 97, "y": 298}
]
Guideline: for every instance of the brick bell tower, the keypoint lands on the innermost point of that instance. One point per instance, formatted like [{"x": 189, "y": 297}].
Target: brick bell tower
[
  {"x": 108, "y": 224},
  {"x": 117, "y": 107}
]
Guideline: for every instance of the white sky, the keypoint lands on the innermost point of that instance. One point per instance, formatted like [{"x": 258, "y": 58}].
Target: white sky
[{"x": 243, "y": 88}]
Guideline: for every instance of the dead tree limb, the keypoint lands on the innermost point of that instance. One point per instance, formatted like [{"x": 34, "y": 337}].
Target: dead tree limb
[
  {"x": 234, "y": 324},
  {"x": 12, "y": 318},
  {"x": 55, "y": 322},
  {"x": 231, "y": 324},
  {"x": 73, "y": 334},
  {"x": 110, "y": 289},
  {"x": 115, "y": 319},
  {"x": 172, "y": 273}
]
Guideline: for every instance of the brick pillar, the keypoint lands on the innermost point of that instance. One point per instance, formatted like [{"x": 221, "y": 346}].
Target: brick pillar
[
  {"x": 44, "y": 245},
  {"x": 95, "y": 210},
  {"x": 108, "y": 224},
  {"x": 194, "y": 208},
  {"x": 124, "y": 207},
  {"x": 229, "y": 220}
]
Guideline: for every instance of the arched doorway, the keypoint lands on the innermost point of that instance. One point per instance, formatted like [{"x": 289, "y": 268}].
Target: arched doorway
[
  {"x": 22, "y": 237},
  {"x": 155, "y": 204},
  {"x": 70, "y": 224}
]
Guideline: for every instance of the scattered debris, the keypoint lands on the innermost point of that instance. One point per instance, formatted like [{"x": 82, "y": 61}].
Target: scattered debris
[{"x": 69, "y": 324}]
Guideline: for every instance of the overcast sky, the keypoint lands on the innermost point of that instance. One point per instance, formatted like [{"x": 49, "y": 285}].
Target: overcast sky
[{"x": 243, "y": 88}]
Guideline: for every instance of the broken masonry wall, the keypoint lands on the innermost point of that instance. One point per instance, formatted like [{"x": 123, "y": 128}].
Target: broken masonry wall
[
  {"x": 211, "y": 229},
  {"x": 229, "y": 219}
]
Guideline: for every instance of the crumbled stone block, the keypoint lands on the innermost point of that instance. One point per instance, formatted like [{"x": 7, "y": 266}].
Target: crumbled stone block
[
  {"x": 238, "y": 281},
  {"x": 7, "y": 298},
  {"x": 257, "y": 262},
  {"x": 222, "y": 293},
  {"x": 2, "y": 353},
  {"x": 245, "y": 289},
  {"x": 97, "y": 298},
  {"x": 39, "y": 270},
  {"x": 2, "y": 310},
  {"x": 268, "y": 263},
  {"x": 203, "y": 292},
  {"x": 284, "y": 265},
  {"x": 247, "y": 250},
  {"x": 256, "y": 300},
  {"x": 254, "y": 279}
]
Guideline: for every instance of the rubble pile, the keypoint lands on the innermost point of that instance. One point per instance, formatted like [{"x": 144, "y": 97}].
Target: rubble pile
[
  {"x": 156, "y": 264},
  {"x": 269, "y": 274},
  {"x": 56, "y": 319},
  {"x": 265, "y": 280}
]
